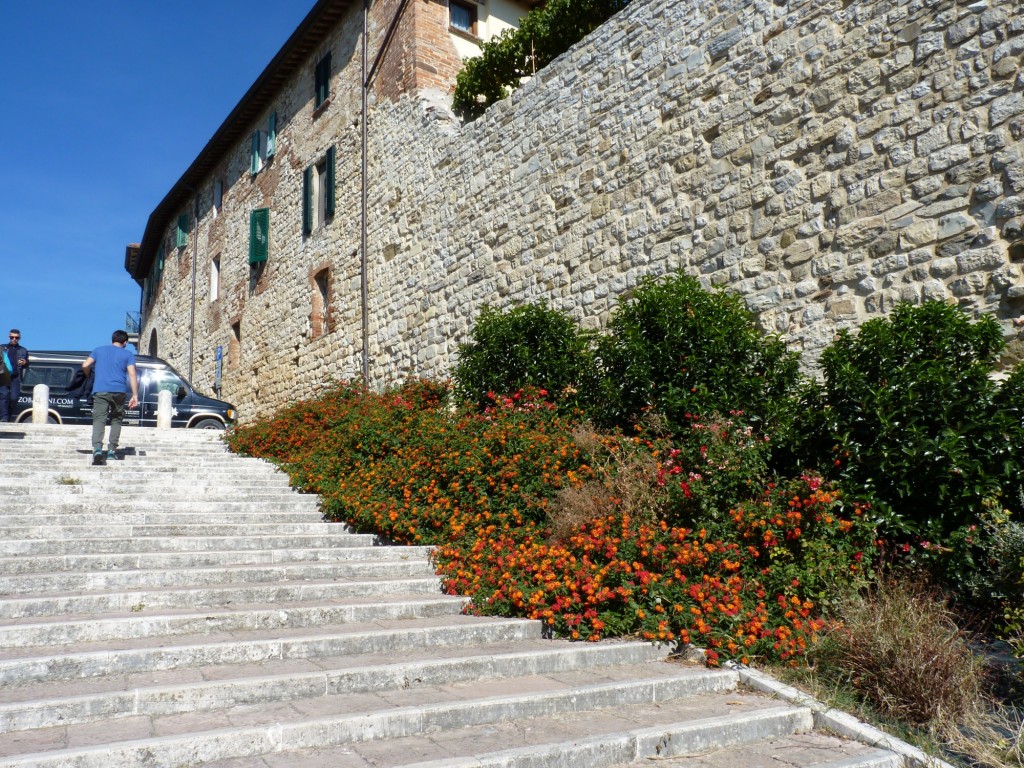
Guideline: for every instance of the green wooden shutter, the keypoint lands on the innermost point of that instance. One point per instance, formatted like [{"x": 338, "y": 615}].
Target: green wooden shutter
[
  {"x": 329, "y": 184},
  {"x": 254, "y": 155},
  {"x": 307, "y": 201},
  {"x": 272, "y": 134},
  {"x": 159, "y": 264},
  {"x": 322, "y": 77},
  {"x": 182, "y": 240},
  {"x": 259, "y": 235}
]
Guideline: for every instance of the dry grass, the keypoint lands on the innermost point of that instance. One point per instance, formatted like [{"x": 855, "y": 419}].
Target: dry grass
[
  {"x": 991, "y": 738},
  {"x": 901, "y": 649},
  {"x": 900, "y": 660},
  {"x": 623, "y": 481}
]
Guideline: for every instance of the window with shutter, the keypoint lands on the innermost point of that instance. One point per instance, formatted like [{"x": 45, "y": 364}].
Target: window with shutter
[
  {"x": 272, "y": 134},
  {"x": 259, "y": 235},
  {"x": 182, "y": 238},
  {"x": 322, "y": 80},
  {"x": 329, "y": 183},
  {"x": 307, "y": 201},
  {"x": 255, "y": 163}
]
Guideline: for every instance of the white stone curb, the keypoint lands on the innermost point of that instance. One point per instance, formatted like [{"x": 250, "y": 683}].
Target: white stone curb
[{"x": 836, "y": 720}]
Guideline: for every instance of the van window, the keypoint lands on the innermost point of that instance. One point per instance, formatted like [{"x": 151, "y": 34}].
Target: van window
[
  {"x": 163, "y": 380},
  {"x": 56, "y": 377}
]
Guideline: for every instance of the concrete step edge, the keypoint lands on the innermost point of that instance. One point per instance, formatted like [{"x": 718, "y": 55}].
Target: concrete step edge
[
  {"x": 230, "y": 692},
  {"x": 19, "y": 549},
  {"x": 200, "y": 622},
  {"x": 49, "y": 584},
  {"x": 211, "y": 596},
  {"x": 357, "y": 549},
  {"x": 220, "y": 744},
  {"x": 78, "y": 665},
  {"x": 643, "y": 744}
]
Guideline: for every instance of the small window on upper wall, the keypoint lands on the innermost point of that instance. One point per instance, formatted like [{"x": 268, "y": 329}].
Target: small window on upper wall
[
  {"x": 272, "y": 134},
  {"x": 257, "y": 152},
  {"x": 322, "y": 80},
  {"x": 182, "y": 235},
  {"x": 218, "y": 196},
  {"x": 259, "y": 236},
  {"x": 462, "y": 16},
  {"x": 215, "y": 278},
  {"x": 318, "y": 193},
  {"x": 320, "y": 316}
]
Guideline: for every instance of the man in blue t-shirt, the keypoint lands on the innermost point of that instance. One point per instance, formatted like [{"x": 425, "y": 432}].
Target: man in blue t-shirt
[{"x": 115, "y": 372}]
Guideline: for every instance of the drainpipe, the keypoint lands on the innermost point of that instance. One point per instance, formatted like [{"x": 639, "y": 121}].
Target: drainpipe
[
  {"x": 195, "y": 259},
  {"x": 363, "y": 277},
  {"x": 367, "y": 78}
]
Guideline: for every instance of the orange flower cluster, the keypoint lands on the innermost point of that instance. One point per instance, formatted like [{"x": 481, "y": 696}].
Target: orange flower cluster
[{"x": 480, "y": 486}]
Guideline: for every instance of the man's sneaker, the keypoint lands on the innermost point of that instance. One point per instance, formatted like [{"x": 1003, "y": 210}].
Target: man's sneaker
[
  {"x": 99, "y": 459},
  {"x": 112, "y": 456}
]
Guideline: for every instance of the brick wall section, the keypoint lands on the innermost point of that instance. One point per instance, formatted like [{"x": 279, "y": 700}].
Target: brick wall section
[
  {"x": 825, "y": 159},
  {"x": 421, "y": 55}
]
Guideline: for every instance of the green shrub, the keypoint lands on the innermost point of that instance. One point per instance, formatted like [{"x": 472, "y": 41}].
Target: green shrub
[
  {"x": 543, "y": 34},
  {"x": 528, "y": 347},
  {"x": 913, "y": 419},
  {"x": 684, "y": 351}
]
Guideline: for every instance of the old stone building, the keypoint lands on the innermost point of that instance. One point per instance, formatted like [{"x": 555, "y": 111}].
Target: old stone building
[{"x": 825, "y": 159}]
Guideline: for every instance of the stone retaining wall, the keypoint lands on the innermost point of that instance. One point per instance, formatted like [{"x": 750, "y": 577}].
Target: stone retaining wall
[{"x": 824, "y": 159}]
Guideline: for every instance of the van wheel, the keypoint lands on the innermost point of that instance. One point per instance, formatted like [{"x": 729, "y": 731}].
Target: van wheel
[
  {"x": 208, "y": 424},
  {"x": 52, "y": 420}
]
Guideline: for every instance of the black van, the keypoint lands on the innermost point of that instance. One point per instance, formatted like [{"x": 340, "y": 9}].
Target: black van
[{"x": 56, "y": 370}]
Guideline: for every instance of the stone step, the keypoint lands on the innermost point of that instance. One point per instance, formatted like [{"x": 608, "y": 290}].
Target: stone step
[
  {"x": 799, "y": 750},
  {"x": 70, "y": 702},
  {"x": 274, "y": 650},
  {"x": 145, "y": 600},
  {"x": 143, "y": 531},
  {"x": 85, "y": 580},
  {"x": 197, "y": 621},
  {"x": 95, "y": 520},
  {"x": 172, "y": 492},
  {"x": 365, "y": 560},
  {"x": 329, "y": 721},
  {"x": 342, "y": 540}
]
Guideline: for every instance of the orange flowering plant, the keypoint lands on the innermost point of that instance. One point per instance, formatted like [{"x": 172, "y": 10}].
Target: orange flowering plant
[{"x": 485, "y": 487}]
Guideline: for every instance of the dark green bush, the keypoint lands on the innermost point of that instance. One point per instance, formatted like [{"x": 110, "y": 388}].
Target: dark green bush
[
  {"x": 915, "y": 421},
  {"x": 543, "y": 34},
  {"x": 528, "y": 347},
  {"x": 683, "y": 351}
]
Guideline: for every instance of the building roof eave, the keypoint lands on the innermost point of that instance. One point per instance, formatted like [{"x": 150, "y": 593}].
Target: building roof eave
[{"x": 303, "y": 42}]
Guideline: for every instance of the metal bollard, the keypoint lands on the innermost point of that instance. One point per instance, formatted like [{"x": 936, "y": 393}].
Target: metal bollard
[
  {"x": 40, "y": 404},
  {"x": 163, "y": 410}
]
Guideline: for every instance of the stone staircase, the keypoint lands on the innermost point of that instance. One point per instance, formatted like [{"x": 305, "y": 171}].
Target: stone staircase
[{"x": 183, "y": 607}]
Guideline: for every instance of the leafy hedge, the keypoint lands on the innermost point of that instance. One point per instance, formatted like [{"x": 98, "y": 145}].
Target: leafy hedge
[{"x": 543, "y": 34}]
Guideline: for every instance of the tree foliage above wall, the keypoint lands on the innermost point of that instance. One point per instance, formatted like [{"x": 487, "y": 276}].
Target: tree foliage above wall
[{"x": 543, "y": 34}]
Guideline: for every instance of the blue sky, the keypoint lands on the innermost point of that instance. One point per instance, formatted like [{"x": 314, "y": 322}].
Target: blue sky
[{"x": 105, "y": 104}]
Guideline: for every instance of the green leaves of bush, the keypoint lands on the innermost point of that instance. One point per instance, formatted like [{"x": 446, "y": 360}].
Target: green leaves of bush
[
  {"x": 543, "y": 34},
  {"x": 917, "y": 422},
  {"x": 532, "y": 346},
  {"x": 681, "y": 350}
]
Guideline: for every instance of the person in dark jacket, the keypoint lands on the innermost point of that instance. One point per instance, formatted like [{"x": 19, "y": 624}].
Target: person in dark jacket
[{"x": 9, "y": 394}]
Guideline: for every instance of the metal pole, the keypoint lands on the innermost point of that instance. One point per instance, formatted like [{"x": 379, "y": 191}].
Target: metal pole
[
  {"x": 192, "y": 314},
  {"x": 363, "y": 278}
]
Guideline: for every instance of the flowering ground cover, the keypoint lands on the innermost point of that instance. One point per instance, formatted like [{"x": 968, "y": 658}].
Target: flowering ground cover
[{"x": 684, "y": 543}]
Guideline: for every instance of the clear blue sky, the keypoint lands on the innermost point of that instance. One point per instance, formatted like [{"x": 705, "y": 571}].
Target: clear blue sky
[{"x": 104, "y": 106}]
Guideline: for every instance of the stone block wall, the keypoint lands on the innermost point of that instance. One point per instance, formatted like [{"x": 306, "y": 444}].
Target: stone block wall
[{"x": 824, "y": 159}]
